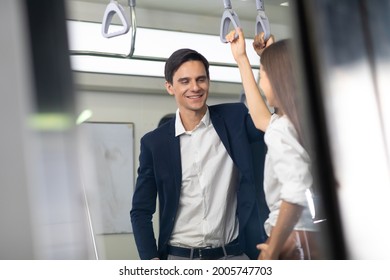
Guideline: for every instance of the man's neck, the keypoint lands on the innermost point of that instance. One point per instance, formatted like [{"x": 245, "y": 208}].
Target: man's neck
[{"x": 190, "y": 119}]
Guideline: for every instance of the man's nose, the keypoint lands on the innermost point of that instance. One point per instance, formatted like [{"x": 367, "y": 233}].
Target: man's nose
[{"x": 195, "y": 86}]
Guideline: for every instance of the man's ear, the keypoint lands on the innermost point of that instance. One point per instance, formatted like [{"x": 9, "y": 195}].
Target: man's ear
[{"x": 168, "y": 87}]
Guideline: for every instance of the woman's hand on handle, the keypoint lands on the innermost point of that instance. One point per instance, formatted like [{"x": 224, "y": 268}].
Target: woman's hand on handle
[
  {"x": 237, "y": 43},
  {"x": 259, "y": 44}
]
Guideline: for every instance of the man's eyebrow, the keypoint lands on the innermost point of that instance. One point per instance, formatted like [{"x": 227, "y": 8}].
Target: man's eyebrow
[
  {"x": 182, "y": 79},
  {"x": 202, "y": 77}
]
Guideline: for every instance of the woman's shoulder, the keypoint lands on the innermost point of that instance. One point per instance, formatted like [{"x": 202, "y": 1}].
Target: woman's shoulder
[
  {"x": 281, "y": 130},
  {"x": 281, "y": 124}
]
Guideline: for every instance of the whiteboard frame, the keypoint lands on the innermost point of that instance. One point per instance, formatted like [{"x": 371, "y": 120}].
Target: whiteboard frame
[{"x": 109, "y": 193}]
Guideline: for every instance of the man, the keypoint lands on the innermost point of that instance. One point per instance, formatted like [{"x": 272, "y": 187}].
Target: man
[{"x": 200, "y": 164}]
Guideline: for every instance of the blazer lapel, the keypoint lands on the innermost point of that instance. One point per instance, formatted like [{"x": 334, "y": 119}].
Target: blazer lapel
[
  {"x": 220, "y": 128},
  {"x": 174, "y": 146}
]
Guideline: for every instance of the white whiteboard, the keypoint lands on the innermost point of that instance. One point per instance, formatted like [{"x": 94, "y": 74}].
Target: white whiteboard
[{"x": 111, "y": 146}]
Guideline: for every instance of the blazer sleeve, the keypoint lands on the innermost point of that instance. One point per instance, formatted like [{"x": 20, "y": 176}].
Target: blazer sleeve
[
  {"x": 254, "y": 134},
  {"x": 144, "y": 205}
]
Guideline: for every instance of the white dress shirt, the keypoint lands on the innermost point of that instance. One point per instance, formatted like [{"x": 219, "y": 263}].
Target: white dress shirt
[
  {"x": 207, "y": 208},
  {"x": 287, "y": 173}
]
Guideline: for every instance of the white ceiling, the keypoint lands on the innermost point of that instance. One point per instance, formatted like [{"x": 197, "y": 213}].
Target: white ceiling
[
  {"x": 246, "y": 9},
  {"x": 197, "y": 16}
]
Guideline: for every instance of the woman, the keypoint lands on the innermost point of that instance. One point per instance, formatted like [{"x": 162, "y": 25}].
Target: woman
[{"x": 287, "y": 174}]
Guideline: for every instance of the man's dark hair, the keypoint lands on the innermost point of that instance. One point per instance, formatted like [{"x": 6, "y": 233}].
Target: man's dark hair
[{"x": 178, "y": 58}]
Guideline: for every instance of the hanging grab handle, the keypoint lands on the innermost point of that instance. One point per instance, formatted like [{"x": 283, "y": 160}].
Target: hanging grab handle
[
  {"x": 115, "y": 55},
  {"x": 262, "y": 23},
  {"x": 229, "y": 16},
  {"x": 134, "y": 27},
  {"x": 114, "y": 8}
]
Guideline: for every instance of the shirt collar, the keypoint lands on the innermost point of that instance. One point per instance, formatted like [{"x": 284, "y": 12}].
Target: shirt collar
[{"x": 179, "y": 127}]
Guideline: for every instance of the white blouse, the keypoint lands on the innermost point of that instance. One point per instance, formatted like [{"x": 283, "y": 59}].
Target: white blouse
[{"x": 286, "y": 172}]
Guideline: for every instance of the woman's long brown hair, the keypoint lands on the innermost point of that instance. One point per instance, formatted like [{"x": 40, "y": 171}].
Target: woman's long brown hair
[{"x": 277, "y": 62}]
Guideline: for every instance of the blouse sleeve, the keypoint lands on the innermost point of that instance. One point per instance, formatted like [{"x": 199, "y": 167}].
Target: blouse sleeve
[{"x": 291, "y": 164}]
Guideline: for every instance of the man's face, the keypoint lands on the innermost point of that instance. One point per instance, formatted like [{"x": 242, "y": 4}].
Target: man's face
[{"x": 190, "y": 86}]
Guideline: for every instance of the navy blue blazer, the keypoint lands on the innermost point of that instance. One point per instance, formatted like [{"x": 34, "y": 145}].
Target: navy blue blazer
[{"x": 159, "y": 174}]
